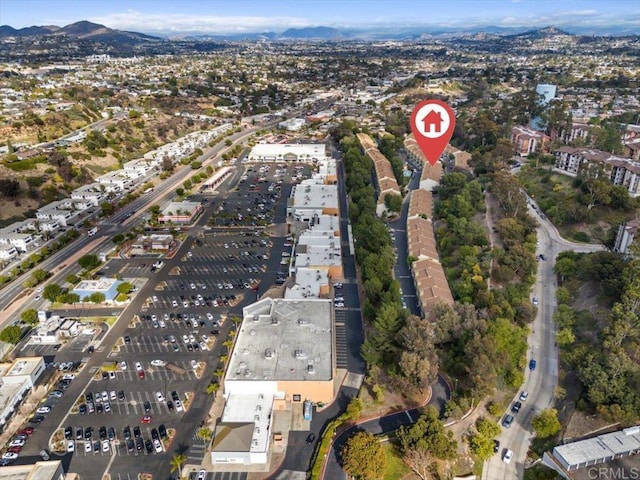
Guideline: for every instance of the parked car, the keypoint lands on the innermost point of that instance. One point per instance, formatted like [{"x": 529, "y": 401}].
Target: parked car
[
  {"x": 523, "y": 396},
  {"x": 508, "y": 420},
  {"x": 532, "y": 365},
  {"x": 508, "y": 455}
]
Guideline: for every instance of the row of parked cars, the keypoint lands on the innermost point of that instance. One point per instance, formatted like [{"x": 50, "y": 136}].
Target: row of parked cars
[{"x": 133, "y": 441}]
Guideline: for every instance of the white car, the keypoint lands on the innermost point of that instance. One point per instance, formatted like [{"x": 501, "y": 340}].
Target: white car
[
  {"x": 524, "y": 395},
  {"x": 113, "y": 395},
  {"x": 185, "y": 338},
  {"x": 203, "y": 346},
  {"x": 178, "y": 405},
  {"x": 174, "y": 304},
  {"x": 105, "y": 445},
  {"x": 123, "y": 365},
  {"x": 105, "y": 396},
  {"x": 87, "y": 447},
  {"x": 202, "y": 475},
  {"x": 155, "y": 298},
  {"x": 210, "y": 316},
  {"x": 10, "y": 455},
  {"x": 160, "y": 396},
  {"x": 157, "y": 445},
  {"x": 45, "y": 409},
  {"x": 194, "y": 364},
  {"x": 138, "y": 367},
  {"x": 71, "y": 446},
  {"x": 534, "y": 301},
  {"x": 158, "y": 363},
  {"x": 185, "y": 304},
  {"x": 18, "y": 442},
  {"x": 163, "y": 324},
  {"x": 508, "y": 455}
]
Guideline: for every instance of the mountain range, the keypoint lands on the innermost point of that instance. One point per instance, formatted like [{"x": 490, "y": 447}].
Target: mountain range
[
  {"x": 94, "y": 32},
  {"x": 82, "y": 30}
]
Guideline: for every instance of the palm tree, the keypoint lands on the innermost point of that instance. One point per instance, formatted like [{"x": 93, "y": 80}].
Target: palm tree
[
  {"x": 224, "y": 358},
  {"x": 219, "y": 373},
  {"x": 228, "y": 343},
  {"x": 204, "y": 434},
  {"x": 176, "y": 463},
  {"x": 213, "y": 387}
]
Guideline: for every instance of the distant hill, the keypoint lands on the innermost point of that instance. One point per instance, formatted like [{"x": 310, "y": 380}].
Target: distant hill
[
  {"x": 82, "y": 30},
  {"x": 539, "y": 33},
  {"x": 308, "y": 33},
  {"x": 7, "y": 31}
]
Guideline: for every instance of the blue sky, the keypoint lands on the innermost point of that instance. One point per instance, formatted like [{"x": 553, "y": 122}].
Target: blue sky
[{"x": 237, "y": 16}]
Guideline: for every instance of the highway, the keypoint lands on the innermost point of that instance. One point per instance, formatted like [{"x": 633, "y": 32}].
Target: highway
[{"x": 541, "y": 382}]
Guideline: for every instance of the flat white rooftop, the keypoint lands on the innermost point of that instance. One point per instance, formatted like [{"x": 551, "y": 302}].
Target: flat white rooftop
[
  {"x": 96, "y": 285},
  {"x": 23, "y": 366},
  {"x": 278, "y": 151},
  {"x": 251, "y": 408},
  {"x": 36, "y": 471},
  {"x": 315, "y": 196},
  {"x": 284, "y": 340},
  {"x": 600, "y": 447}
]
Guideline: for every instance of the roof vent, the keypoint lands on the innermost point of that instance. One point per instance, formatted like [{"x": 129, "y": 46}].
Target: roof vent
[
  {"x": 300, "y": 354},
  {"x": 311, "y": 370},
  {"x": 268, "y": 354}
]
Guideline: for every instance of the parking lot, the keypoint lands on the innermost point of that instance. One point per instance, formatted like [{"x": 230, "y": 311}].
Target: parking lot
[{"x": 181, "y": 317}]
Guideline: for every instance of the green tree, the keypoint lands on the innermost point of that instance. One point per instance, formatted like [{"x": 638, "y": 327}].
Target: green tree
[
  {"x": 176, "y": 463},
  {"x": 29, "y": 316},
  {"x": 118, "y": 238},
  {"x": 204, "y": 434},
  {"x": 393, "y": 202},
  {"x": 213, "y": 388},
  {"x": 428, "y": 433},
  {"x": 363, "y": 457},
  {"x": 11, "y": 334},
  {"x": 97, "y": 297},
  {"x": 124, "y": 287},
  {"x": 52, "y": 291},
  {"x": 481, "y": 446},
  {"x": 89, "y": 262},
  {"x": 546, "y": 424}
]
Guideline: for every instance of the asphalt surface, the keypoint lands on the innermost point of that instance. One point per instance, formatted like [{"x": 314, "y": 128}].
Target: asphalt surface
[
  {"x": 202, "y": 262},
  {"x": 540, "y": 383},
  {"x": 386, "y": 424}
]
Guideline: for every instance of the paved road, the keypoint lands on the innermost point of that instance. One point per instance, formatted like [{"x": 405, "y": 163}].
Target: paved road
[
  {"x": 401, "y": 271},
  {"x": 59, "y": 262},
  {"x": 542, "y": 382},
  {"x": 390, "y": 423}
]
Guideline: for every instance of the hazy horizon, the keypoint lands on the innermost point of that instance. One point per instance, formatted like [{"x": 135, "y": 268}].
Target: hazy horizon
[{"x": 168, "y": 18}]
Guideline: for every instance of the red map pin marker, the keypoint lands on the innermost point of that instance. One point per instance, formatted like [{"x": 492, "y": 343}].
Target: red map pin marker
[{"x": 432, "y": 124}]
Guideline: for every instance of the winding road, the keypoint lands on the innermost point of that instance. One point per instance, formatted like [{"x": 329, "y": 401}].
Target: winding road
[
  {"x": 541, "y": 382},
  {"x": 440, "y": 392}
]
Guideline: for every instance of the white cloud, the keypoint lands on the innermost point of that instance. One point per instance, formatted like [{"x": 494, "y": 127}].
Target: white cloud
[
  {"x": 145, "y": 22},
  {"x": 578, "y": 13}
]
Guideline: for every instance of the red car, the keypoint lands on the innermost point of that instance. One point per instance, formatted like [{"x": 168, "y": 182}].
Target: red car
[
  {"x": 141, "y": 374},
  {"x": 27, "y": 431},
  {"x": 146, "y": 419},
  {"x": 14, "y": 449}
]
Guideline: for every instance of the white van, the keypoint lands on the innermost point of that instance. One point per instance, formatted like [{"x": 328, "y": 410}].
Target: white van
[{"x": 93, "y": 231}]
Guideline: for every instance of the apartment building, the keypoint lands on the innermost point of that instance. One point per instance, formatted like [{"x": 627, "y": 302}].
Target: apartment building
[
  {"x": 620, "y": 171},
  {"x": 526, "y": 140},
  {"x": 385, "y": 179}
]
